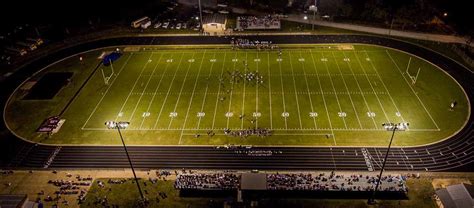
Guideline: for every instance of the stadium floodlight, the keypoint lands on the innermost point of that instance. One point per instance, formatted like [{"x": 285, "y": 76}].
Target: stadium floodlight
[
  {"x": 123, "y": 125},
  {"x": 305, "y": 17},
  {"x": 389, "y": 127},
  {"x": 200, "y": 15},
  {"x": 313, "y": 8}
]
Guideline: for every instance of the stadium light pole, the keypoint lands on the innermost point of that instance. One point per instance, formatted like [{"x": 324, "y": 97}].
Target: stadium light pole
[
  {"x": 314, "y": 9},
  {"x": 200, "y": 14},
  {"x": 389, "y": 127},
  {"x": 122, "y": 125}
]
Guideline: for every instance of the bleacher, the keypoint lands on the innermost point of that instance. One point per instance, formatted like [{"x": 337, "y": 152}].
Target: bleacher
[
  {"x": 331, "y": 182},
  {"x": 266, "y": 22}
]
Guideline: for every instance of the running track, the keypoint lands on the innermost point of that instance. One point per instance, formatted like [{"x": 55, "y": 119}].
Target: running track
[{"x": 455, "y": 153}]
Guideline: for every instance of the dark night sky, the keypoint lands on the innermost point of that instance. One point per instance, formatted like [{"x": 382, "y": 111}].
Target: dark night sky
[{"x": 24, "y": 11}]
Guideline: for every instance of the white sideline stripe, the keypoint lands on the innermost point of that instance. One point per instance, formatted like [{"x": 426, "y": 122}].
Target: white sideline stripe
[
  {"x": 134, "y": 85},
  {"x": 412, "y": 89},
  {"x": 107, "y": 90}
]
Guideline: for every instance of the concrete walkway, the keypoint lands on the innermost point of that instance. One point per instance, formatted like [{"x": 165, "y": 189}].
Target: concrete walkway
[{"x": 380, "y": 31}]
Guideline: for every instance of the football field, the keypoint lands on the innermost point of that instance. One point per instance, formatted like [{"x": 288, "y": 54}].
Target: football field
[{"x": 334, "y": 95}]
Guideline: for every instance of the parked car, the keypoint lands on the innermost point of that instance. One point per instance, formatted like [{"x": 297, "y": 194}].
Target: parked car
[
  {"x": 178, "y": 26},
  {"x": 165, "y": 25}
]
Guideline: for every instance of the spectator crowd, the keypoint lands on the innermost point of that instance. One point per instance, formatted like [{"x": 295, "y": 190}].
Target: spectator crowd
[
  {"x": 295, "y": 181},
  {"x": 215, "y": 181},
  {"x": 258, "y": 22}
]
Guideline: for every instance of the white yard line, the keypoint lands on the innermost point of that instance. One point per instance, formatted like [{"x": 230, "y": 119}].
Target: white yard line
[
  {"x": 144, "y": 89},
  {"x": 256, "y": 97},
  {"x": 322, "y": 95},
  {"x": 385, "y": 87},
  {"x": 296, "y": 94},
  {"x": 371, "y": 86},
  {"x": 167, "y": 94},
  {"x": 192, "y": 96},
  {"x": 283, "y": 93},
  {"x": 106, "y": 91},
  {"x": 205, "y": 93},
  {"x": 133, "y": 87},
  {"x": 360, "y": 90},
  {"x": 270, "y": 90},
  {"x": 231, "y": 90},
  {"x": 334, "y": 89},
  {"x": 154, "y": 93},
  {"x": 181, "y": 90},
  {"x": 243, "y": 96},
  {"x": 309, "y": 94},
  {"x": 219, "y": 90},
  {"x": 347, "y": 89},
  {"x": 412, "y": 89}
]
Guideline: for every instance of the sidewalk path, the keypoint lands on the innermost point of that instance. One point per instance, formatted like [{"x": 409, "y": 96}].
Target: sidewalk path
[{"x": 380, "y": 31}]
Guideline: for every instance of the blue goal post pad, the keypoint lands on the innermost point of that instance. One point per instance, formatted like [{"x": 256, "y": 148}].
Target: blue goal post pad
[{"x": 111, "y": 57}]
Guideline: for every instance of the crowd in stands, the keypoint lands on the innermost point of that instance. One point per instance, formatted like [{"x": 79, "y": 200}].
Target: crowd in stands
[
  {"x": 216, "y": 181},
  {"x": 241, "y": 43},
  {"x": 301, "y": 181},
  {"x": 260, "y": 132},
  {"x": 261, "y": 22},
  {"x": 334, "y": 182}
]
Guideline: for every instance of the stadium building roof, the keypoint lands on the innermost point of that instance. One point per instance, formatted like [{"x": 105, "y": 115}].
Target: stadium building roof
[
  {"x": 214, "y": 19},
  {"x": 457, "y": 196},
  {"x": 253, "y": 181},
  {"x": 14, "y": 201}
]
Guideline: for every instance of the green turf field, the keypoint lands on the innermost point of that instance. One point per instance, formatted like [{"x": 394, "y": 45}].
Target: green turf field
[{"x": 311, "y": 95}]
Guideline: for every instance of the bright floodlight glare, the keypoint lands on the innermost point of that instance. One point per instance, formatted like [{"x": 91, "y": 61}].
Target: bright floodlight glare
[
  {"x": 399, "y": 126},
  {"x": 305, "y": 17},
  {"x": 120, "y": 124},
  {"x": 445, "y": 14},
  {"x": 197, "y": 18},
  {"x": 123, "y": 125}
]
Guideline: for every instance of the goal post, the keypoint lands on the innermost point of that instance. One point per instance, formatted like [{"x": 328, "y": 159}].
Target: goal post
[
  {"x": 413, "y": 78},
  {"x": 108, "y": 75}
]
